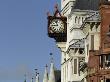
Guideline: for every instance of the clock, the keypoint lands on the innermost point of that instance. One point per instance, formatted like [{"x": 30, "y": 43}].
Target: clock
[{"x": 56, "y": 26}]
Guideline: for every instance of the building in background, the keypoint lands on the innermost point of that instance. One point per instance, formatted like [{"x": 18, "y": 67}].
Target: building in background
[{"x": 53, "y": 76}]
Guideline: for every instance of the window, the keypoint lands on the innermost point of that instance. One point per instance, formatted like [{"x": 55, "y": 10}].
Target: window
[
  {"x": 63, "y": 74},
  {"x": 82, "y": 19},
  {"x": 107, "y": 80},
  {"x": 75, "y": 66},
  {"x": 72, "y": 68},
  {"x": 67, "y": 71},
  {"x": 92, "y": 42},
  {"x": 107, "y": 60},
  {"x": 101, "y": 60},
  {"x": 75, "y": 19},
  {"x": 81, "y": 51},
  {"x": 78, "y": 20}
]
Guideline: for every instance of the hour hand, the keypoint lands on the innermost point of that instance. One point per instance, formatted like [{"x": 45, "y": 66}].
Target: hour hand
[{"x": 54, "y": 24}]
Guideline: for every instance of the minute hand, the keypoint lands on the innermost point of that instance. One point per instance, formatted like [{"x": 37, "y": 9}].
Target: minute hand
[{"x": 55, "y": 25}]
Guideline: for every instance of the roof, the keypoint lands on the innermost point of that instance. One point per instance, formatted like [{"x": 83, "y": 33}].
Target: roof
[
  {"x": 79, "y": 44},
  {"x": 87, "y": 5},
  {"x": 94, "y": 18}
]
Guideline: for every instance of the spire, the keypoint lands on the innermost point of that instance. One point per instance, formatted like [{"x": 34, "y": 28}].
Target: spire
[
  {"x": 51, "y": 59},
  {"x": 56, "y": 11},
  {"x": 45, "y": 79},
  {"x": 52, "y": 71},
  {"x": 37, "y": 76},
  {"x": 32, "y": 79},
  {"x": 36, "y": 71},
  {"x": 25, "y": 78}
]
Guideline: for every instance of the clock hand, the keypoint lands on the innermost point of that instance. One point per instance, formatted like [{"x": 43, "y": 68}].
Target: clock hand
[
  {"x": 56, "y": 21},
  {"x": 56, "y": 24}
]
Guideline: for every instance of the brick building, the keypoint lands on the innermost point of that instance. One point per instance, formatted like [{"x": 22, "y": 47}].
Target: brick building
[{"x": 99, "y": 61}]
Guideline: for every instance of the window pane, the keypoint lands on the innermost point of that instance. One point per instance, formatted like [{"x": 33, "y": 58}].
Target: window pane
[
  {"x": 107, "y": 60},
  {"x": 75, "y": 66},
  {"x": 92, "y": 42}
]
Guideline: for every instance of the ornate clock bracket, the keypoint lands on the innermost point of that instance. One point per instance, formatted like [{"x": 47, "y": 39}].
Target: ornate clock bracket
[{"x": 57, "y": 25}]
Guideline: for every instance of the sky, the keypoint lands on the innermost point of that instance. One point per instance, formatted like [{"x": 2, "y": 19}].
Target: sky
[{"x": 24, "y": 43}]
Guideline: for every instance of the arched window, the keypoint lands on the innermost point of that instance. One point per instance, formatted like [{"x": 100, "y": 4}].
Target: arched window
[
  {"x": 75, "y": 66},
  {"x": 78, "y": 20},
  {"x": 82, "y": 19},
  {"x": 75, "y": 19}
]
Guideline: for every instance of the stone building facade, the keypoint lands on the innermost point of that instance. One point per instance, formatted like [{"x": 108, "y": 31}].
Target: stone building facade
[
  {"x": 85, "y": 56},
  {"x": 81, "y": 15}
]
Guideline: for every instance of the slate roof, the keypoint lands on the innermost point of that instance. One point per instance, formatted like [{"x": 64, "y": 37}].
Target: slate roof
[
  {"x": 79, "y": 44},
  {"x": 95, "y": 18},
  {"x": 87, "y": 4}
]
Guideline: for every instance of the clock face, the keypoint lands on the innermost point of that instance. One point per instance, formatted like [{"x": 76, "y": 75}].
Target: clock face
[{"x": 56, "y": 26}]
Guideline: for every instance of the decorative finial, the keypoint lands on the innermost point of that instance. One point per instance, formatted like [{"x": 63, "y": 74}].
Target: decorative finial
[
  {"x": 25, "y": 77},
  {"x": 48, "y": 14},
  {"x": 32, "y": 79},
  {"x": 56, "y": 6},
  {"x": 56, "y": 11},
  {"x": 51, "y": 57},
  {"x": 46, "y": 66},
  {"x": 37, "y": 73}
]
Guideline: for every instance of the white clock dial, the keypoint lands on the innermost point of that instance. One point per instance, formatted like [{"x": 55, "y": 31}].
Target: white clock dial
[{"x": 56, "y": 26}]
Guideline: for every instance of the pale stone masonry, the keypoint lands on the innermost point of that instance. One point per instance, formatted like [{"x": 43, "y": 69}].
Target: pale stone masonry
[
  {"x": 85, "y": 56},
  {"x": 75, "y": 52},
  {"x": 45, "y": 78}
]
